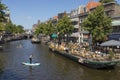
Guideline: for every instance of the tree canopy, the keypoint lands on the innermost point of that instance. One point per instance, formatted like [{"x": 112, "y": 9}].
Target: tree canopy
[
  {"x": 44, "y": 28},
  {"x": 64, "y": 26},
  {"x": 8, "y": 26},
  {"x": 106, "y": 1},
  {"x": 98, "y": 24},
  {"x": 12, "y": 28},
  {"x": 3, "y": 9}
]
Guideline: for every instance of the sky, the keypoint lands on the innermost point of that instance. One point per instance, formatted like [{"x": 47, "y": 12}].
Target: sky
[{"x": 28, "y": 12}]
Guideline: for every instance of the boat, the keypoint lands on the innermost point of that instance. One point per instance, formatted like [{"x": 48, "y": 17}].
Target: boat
[
  {"x": 100, "y": 64},
  {"x": 35, "y": 40},
  {"x": 30, "y": 64},
  {"x": 87, "y": 58}
]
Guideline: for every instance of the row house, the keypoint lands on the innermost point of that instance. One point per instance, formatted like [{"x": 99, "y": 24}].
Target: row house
[
  {"x": 77, "y": 16},
  {"x": 34, "y": 27},
  {"x": 84, "y": 35},
  {"x": 54, "y": 21},
  {"x": 74, "y": 17},
  {"x": 61, "y": 15},
  {"x": 112, "y": 10}
]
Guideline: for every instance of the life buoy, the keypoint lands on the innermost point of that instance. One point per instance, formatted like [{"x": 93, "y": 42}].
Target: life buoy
[{"x": 80, "y": 60}]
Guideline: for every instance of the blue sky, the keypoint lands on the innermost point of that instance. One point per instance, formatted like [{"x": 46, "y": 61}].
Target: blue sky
[{"x": 28, "y": 12}]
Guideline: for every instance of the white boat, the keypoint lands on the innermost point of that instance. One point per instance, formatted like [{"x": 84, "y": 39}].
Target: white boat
[
  {"x": 35, "y": 40},
  {"x": 30, "y": 64}
]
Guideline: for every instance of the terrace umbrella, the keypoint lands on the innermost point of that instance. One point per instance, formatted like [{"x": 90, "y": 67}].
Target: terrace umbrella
[{"x": 111, "y": 43}]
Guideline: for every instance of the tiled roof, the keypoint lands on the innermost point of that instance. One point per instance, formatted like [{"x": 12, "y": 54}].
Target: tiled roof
[
  {"x": 92, "y": 5},
  {"x": 55, "y": 17}
]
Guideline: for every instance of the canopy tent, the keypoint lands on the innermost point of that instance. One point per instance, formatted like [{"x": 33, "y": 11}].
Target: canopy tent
[{"x": 111, "y": 43}]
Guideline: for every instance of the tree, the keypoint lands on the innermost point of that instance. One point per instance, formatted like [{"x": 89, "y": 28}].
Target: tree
[
  {"x": 106, "y": 1},
  {"x": 19, "y": 29},
  {"x": 2, "y": 26},
  {"x": 98, "y": 24},
  {"x": 64, "y": 26},
  {"x": 9, "y": 27},
  {"x": 3, "y": 9},
  {"x": 40, "y": 29},
  {"x": 12, "y": 28},
  {"x": 45, "y": 28},
  {"x": 50, "y": 28}
]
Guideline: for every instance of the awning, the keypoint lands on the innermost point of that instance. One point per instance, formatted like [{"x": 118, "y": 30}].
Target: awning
[
  {"x": 54, "y": 36},
  {"x": 111, "y": 43},
  {"x": 116, "y": 23}
]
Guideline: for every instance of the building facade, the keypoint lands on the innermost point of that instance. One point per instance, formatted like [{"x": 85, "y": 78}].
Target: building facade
[{"x": 112, "y": 10}]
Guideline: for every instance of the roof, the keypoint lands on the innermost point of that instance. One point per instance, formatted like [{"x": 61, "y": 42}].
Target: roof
[
  {"x": 92, "y": 5},
  {"x": 111, "y": 43},
  {"x": 116, "y": 23},
  {"x": 55, "y": 17}
]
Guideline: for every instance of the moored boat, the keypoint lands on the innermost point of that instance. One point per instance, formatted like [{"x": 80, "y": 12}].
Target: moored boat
[
  {"x": 35, "y": 40},
  {"x": 100, "y": 64}
]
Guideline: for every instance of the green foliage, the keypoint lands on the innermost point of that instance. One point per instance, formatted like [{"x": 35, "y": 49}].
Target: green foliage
[
  {"x": 106, "y": 1},
  {"x": 20, "y": 29},
  {"x": 40, "y": 29},
  {"x": 12, "y": 28},
  {"x": 3, "y": 8},
  {"x": 9, "y": 27},
  {"x": 45, "y": 28},
  {"x": 2, "y": 26},
  {"x": 64, "y": 26},
  {"x": 98, "y": 24},
  {"x": 50, "y": 28}
]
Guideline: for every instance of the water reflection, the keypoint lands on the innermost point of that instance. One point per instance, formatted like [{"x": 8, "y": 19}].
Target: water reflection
[
  {"x": 1, "y": 66},
  {"x": 2, "y": 61}
]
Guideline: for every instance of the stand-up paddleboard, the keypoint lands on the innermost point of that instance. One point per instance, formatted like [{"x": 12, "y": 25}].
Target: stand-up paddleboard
[{"x": 30, "y": 64}]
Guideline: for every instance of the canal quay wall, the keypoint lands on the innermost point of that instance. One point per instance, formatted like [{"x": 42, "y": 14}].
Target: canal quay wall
[
  {"x": 65, "y": 55},
  {"x": 11, "y": 38}
]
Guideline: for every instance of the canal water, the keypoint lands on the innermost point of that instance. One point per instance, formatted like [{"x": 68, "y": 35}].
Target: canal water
[{"x": 52, "y": 67}]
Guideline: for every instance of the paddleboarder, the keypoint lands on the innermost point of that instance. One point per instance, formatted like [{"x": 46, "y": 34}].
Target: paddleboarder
[{"x": 30, "y": 58}]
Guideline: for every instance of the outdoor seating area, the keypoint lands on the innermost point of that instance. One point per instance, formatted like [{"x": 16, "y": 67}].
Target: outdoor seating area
[{"x": 82, "y": 50}]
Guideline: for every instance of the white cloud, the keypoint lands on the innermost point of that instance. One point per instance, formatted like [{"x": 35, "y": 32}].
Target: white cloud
[{"x": 28, "y": 17}]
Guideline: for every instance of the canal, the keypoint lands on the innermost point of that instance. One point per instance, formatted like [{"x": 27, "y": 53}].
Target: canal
[{"x": 52, "y": 67}]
